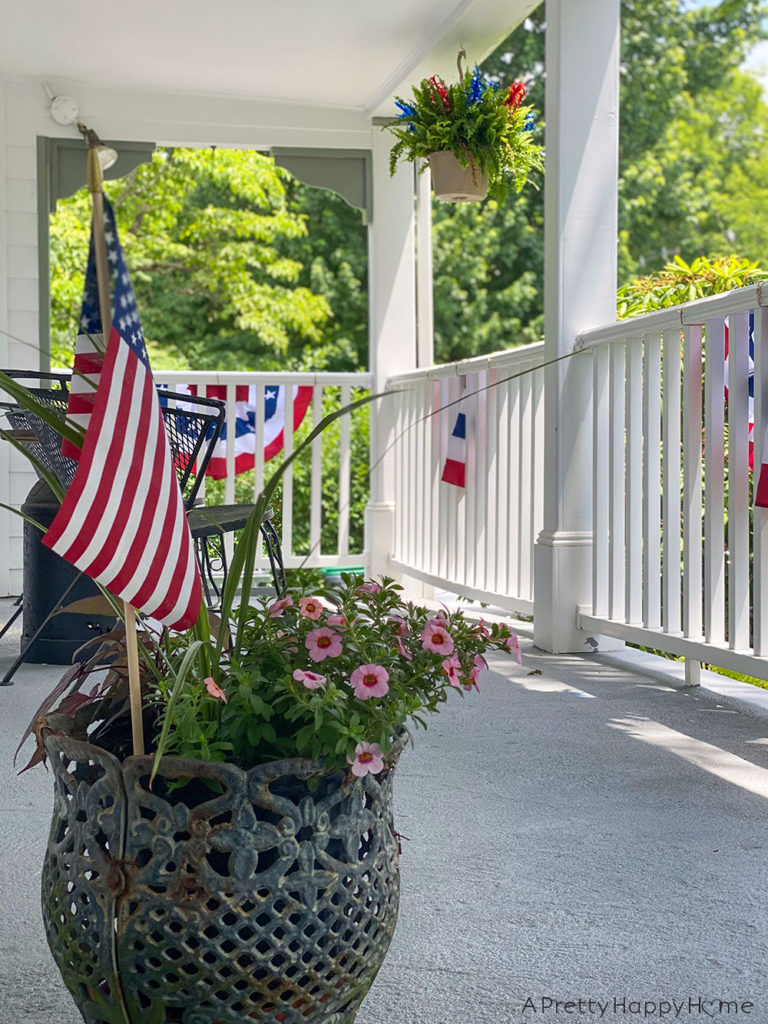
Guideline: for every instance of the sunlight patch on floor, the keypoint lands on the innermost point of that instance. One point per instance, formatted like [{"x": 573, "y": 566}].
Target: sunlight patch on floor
[
  {"x": 706, "y": 756},
  {"x": 540, "y": 684}
]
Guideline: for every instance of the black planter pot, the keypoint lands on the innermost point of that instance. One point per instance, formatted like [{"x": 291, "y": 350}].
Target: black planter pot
[
  {"x": 47, "y": 578},
  {"x": 220, "y": 896}
]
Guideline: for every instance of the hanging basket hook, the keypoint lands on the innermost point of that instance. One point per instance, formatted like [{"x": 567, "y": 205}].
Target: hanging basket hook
[{"x": 462, "y": 54}]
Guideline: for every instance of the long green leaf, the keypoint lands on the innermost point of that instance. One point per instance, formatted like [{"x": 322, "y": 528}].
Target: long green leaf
[
  {"x": 243, "y": 559},
  {"x": 29, "y": 519},
  {"x": 181, "y": 678}
]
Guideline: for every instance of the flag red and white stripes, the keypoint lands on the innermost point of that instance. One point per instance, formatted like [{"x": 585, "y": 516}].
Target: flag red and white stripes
[
  {"x": 89, "y": 358},
  {"x": 122, "y": 521}
]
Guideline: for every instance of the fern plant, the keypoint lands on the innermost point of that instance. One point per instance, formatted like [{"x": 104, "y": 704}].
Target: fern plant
[{"x": 475, "y": 119}]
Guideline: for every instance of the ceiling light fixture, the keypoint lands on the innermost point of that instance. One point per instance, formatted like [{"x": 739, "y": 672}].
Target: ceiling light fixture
[{"x": 63, "y": 110}]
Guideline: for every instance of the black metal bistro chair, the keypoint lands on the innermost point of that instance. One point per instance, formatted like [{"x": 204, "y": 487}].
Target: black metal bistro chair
[
  {"x": 209, "y": 524},
  {"x": 193, "y": 425},
  {"x": 43, "y": 443}
]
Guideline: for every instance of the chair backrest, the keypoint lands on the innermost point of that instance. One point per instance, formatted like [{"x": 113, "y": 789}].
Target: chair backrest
[
  {"x": 193, "y": 425},
  {"x": 52, "y": 390}
]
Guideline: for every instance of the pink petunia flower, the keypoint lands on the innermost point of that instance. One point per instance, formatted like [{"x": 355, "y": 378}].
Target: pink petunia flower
[
  {"x": 477, "y": 667},
  {"x": 482, "y": 629},
  {"x": 310, "y": 607},
  {"x": 214, "y": 690},
  {"x": 337, "y": 620},
  {"x": 474, "y": 672},
  {"x": 368, "y": 759},
  {"x": 369, "y": 681},
  {"x": 312, "y": 680},
  {"x": 404, "y": 650},
  {"x": 436, "y": 638},
  {"x": 369, "y": 588},
  {"x": 278, "y": 607},
  {"x": 401, "y": 626},
  {"x": 512, "y": 643},
  {"x": 452, "y": 666},
  {"x": 323, "y": 643}
]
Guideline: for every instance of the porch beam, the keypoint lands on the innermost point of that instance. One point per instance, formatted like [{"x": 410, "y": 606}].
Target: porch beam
[{"x": 580, "y": 238}]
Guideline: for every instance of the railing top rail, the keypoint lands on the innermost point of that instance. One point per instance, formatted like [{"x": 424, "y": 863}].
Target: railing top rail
[
  {"x": 508, "y": 357},
  {"x": 242, "y": 377},
  {"x": 690, "y": 313}
]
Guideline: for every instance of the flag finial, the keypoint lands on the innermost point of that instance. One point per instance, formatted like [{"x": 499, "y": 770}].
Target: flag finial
[{"x": 100, "y": 158}]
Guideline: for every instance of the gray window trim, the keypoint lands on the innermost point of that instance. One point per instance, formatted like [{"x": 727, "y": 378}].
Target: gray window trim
[{"x": 347, "y": 172}]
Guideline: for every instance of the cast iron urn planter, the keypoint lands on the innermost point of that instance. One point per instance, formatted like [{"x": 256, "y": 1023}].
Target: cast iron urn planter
[{"x": 218, "y": 896}]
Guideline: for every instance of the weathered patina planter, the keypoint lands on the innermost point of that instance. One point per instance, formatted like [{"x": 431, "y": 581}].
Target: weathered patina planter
[{"x": 220, "y": 896}]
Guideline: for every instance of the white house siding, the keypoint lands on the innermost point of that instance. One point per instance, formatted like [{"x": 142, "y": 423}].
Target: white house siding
[
  {"x": 18, "y": 309},
  {"x": 164, "y": 118}
]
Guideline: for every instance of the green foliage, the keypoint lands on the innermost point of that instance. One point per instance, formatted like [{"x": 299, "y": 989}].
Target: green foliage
[
  {"x": 488, "y": 276},
  {"x": 681, "y": 282},
  {"x": 333, "y": 254},
  {"x": 204, "y": 233},
  {"x": 692, "y": 126},
  {"x": 700, "y": 186},
  {"x": 475, "y": 120}
]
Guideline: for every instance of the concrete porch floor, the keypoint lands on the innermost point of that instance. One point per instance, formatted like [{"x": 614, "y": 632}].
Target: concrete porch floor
[{"x": 577, "y": 831}]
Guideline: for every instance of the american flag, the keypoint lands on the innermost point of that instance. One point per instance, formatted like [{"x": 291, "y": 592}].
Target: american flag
[
  {"x": 89, "y": 358},
  {"x": 122, "y": 520},
  {"x": 245, "y": 423}
]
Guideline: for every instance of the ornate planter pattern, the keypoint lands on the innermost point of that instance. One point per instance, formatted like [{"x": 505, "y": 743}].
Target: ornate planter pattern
[{"x": 220, "y": 896}]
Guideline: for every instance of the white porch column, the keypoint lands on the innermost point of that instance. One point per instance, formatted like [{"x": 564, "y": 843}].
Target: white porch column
[
  {"x": 392, "y": 333},
  {"x": 580, "y": 240},
  {"x": 425, "y": 315}
]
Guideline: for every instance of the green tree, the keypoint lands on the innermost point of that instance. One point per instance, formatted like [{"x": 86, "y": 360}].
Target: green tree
[
  {"x": 333, "y": 254},
  {"x": 203, "y": 232}
]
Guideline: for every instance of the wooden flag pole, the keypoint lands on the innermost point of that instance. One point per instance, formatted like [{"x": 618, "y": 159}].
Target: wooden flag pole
[{"x": 96, "y": 188}]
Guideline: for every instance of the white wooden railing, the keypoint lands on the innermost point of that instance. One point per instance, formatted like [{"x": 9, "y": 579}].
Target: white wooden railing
[
  {"x": 476, "y": 541},
  {"x": 671, "y": 463},
  {"x": 330, "y": 391}
]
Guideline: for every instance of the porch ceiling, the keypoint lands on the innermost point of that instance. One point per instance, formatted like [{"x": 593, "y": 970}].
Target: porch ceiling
[{"x": 336, "y": 53}]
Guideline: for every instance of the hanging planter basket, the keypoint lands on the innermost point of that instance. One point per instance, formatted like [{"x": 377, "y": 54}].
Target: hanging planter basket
[
  {"x": 453, "y": 183},
  {"x": 219, "y": 896}
]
